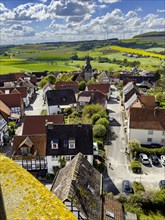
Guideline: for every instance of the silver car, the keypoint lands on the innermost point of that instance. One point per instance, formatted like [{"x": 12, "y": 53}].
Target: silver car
[{"x": 144, "y": 159}]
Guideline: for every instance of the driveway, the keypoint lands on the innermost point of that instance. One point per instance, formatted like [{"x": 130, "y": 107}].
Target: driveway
[{"x": 119, "y": 160}]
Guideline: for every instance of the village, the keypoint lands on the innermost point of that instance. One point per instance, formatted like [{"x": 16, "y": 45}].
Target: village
[{"x": 89, "y": 126}]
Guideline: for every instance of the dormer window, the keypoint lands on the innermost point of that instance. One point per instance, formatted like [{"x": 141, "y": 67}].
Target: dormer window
[
  {"x": 25, "y": 150},
  {"x": 72, "y": 143},
  {"x": 54, "y": 143}
]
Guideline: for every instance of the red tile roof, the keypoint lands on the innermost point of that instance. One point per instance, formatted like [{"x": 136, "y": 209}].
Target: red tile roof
[
  {"x": 147, "y": 118},
  {"x": 39, "y": 143},
  {"x": 97, "y": 97},
  {"x": 59, "y": 84},
  {"x": 35, "y": 124},
  {"x": 147, "y": 101},
  {"x": 114, "y": 207},
  {"x": 12, "y": 100},
  {"x": 22, "y": 90},
  {"x": 103, "y": 87}
]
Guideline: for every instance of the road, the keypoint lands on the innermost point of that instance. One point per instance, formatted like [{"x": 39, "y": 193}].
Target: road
[
  {"x": 37, "y": 106},
  {"x": 120, "y": 163}
]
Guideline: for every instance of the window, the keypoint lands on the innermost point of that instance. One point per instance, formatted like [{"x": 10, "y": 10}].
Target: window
[
  {"x": 65, "y": 143},
  {"x": 150, "y": 132},
  {"x": 82, "y": 103},
  {"x": 71, "y": 143},
  {"x": 54, "y": 143},
  {"x": 163, "y": 133},
  {"x": 149, "y": 140},
  {"x": 54, "y": 158},
  {"x": 25, "y": 150}
]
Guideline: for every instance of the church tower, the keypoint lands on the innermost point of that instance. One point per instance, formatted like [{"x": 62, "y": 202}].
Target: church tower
[{"x": 87, "y": 72}]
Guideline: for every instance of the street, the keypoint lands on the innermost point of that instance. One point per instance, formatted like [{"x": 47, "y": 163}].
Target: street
[{"x": 119, "y": 160}]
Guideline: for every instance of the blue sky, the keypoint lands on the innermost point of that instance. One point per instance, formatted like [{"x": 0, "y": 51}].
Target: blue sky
[{"x": 32, "y": 21}]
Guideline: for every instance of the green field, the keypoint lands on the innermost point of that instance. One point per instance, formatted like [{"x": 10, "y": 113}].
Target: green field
[
  {"x": 156, "y": 49},
  {"x": 50, "y": 57}
]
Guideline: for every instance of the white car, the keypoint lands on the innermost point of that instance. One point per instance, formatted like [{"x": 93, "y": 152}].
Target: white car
[
  {"x": 144, "y": 159},
  {"x": 162, "y": 158}
]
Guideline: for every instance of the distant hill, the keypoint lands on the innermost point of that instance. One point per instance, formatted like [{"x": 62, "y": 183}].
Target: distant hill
[{"x": 151, "y": 34}]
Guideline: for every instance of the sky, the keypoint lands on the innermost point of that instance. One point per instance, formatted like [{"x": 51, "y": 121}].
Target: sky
[{"x": 36, "y": 21}]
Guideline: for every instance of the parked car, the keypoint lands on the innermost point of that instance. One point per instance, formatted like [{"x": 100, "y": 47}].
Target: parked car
[
  {"x": 155, "y": 159},
  {"x": 162, "y": 184},
  {"x": 126, "y": 187},
  {"x": 162, "y": 158},
  {"x": 144, "y": 159}
]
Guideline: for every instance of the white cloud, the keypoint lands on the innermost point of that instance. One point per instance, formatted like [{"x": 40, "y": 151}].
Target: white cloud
[
  {"x": 17, "y": 30},
  {"x": 73, "y": 20},
  {"x": 161, "y": 10},
  {"x": 2, "y": 7},
  {"x": 131, "y": 14},
  {"x": 150, "y": 17},
  {"x": 139, "y": 9},
  {"x": 43, "y": 1},
  {"x": 109, "y": 1},
  {"x": 102, "y": 6}
]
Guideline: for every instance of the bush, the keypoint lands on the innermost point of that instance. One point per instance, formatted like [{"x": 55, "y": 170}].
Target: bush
[
  {"x": 99, "y": 131},
  {"x": 138, "y": 187},
  {"x": 94, "y": 118},
  {"x": 90, "y": 110},
  {"x": 82, "y": 85},
  {"x": 103, "y": 121},
  {"x": 135, "y": 166}
]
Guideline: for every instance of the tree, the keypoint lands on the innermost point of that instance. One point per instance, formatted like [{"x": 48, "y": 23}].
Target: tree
[
  {"x": 64, "y": 78},
  {"x": 159, "y": 96},
  {"x": 42, "y": 83},
  {"x": 82, "y": 85},
  {"x": 11, "y": 128},
  {"x": 90, "y": 110},
  {"x": 91, "y": 81},
  {"x": 74, "y": 56},
  {"x": 133, "y": 147},
  {"x": 103, "y": 121},
  {"x": 51, "y": 79},
  {"x": 99, "y": 131},
  {"x": 95, "y": 118}
]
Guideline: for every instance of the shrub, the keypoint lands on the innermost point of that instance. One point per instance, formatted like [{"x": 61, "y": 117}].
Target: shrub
[
  {"x": 103, "y": 121},
  {"x": 138, "y": 187},
  {"x": 99, "y": 131},
  {"x": 44, "y": 112},
  {"x": 90, "y": 110},
  {"x": 94, "y": 118},
  {"x": 135, "y": 166},
  {"x": 82, "y": 85}
]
